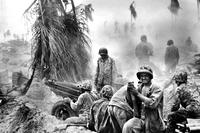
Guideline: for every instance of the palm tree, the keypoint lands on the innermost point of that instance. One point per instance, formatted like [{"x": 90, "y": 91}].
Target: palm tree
[
  {"x": 60, "y": 44},
  {"x": 133, "y": 11},
  {"x": 174, "y": 6}
]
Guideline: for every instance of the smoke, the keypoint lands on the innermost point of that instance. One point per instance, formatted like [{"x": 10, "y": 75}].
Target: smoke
[{"x": 154, "y": 20}]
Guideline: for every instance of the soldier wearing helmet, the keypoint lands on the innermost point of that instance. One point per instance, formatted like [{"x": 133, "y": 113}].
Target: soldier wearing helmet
[
  {"x": 82, "y": 105},
  {"x": 190, "y": 106},
  {"x": 106, "y": 70},
  {"x": 151, "y": 97},
  {"x": 122, "y": 107},
  {"x": 181, "y": 77},
  {"x": 99, "y": 107}
]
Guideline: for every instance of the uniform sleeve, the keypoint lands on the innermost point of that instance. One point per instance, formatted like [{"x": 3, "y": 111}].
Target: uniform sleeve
[
  {"x": 96, "y": 74},
  {"x": 154, "y": 98},
  {"x": 188, "y": 101},
  {"x": 114, "y": 71},
  {"x": 91, "y": 124},
  {"x": 176, "y": 104},
  {"x": 77, "y": 105}
]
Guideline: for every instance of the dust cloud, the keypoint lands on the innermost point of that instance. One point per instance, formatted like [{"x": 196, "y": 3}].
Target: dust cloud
[{"x": 154, "y": 20}]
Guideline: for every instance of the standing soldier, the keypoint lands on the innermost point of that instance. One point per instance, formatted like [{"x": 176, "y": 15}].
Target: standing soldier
[
  {"x": 171, "y": 56},
  {"x": 106, "y": 70},
  {"x": 143, "y": 51}
]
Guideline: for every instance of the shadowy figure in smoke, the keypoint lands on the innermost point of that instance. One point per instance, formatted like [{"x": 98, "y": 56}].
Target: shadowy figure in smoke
[
  {"x": 143, "y": 51},
  {"x": 171, "y": 56}
]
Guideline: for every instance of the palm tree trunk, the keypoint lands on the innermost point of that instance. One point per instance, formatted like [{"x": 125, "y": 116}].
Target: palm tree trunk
[{"x": 73, "y": 8}]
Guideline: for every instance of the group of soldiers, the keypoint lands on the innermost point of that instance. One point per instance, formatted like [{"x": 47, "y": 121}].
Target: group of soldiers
[{"x": 133, "y": 109}]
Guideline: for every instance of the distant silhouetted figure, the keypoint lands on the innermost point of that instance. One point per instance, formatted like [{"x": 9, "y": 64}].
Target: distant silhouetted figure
[
  {"x": 171, "y": 56},
  {"x": 143, "y": 51}
]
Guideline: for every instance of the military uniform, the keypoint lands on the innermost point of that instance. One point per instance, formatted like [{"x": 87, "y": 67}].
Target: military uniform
[
  {"x": 183, "y": 97},
  {"x": 82, "y": 105},
  {"x": 105, "y": 73},
  {"x": 151, "y": 120}
]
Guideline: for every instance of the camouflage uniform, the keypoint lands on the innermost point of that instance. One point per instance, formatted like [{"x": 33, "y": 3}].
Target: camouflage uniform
[
  {"x": 99, "y": 107},
  {"x": 183, "y": 97},
  {"x": 190, "y": 107},
  {"x": 105, "y": 73},
  {"x": 97, "y": 113}
]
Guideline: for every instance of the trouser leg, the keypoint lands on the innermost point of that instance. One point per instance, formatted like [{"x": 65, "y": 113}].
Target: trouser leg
[{"x": 134, "y": 125}]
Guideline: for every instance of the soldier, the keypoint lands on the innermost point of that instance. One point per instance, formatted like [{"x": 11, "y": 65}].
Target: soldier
[
  {"x": 82, "y": 105},
  {"x": 106, "y": 70},
  {"x": 122, "y": 107},
  {"x": 151, "y": 96},
  {"x": 190, "y": 106},
  {"x": 99, "y": 107},
  {"x": 143, "y": 51},
  {"x": 171, "y": 56}
]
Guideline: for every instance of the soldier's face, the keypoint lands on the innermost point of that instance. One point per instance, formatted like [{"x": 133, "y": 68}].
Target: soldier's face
[
  {"x": 103, "y": 56},
  {"x": 145, "y": 78}
]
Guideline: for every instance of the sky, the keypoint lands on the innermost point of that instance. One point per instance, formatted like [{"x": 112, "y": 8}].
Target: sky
[{"x": 154, "y": 20}]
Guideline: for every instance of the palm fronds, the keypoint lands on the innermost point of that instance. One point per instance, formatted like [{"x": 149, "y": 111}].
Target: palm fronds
[
  {"x": 60, "y": 43},
  {"x": 174, "y": 6},
  {"x": 88, "y": 12},
  {"x": 132, "y": 9}
]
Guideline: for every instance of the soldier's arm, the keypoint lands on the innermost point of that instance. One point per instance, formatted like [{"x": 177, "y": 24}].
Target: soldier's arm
[
  {"x": 153, "y": 100},
  {"x": 77, "y": 105},
  {"x": 96, "y": 74},
  {"x": 175, "y": 105},
  {"x": 188, "y": 101},
  {"x": 114, "y": 71},
  {"x": 91, "y": 124}
]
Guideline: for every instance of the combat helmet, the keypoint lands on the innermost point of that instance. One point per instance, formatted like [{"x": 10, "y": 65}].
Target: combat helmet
[
  {"x": 107, "y": 91},
  {"x": 181, "y": 76},
  {"x": 145, "y": 69},
  {"x": 85, "y": 86},
  {"x": 103, "y": 51}
]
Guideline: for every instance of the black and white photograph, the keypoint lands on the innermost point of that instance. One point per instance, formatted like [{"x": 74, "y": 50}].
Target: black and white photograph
[{"x": 100, "y": 66}]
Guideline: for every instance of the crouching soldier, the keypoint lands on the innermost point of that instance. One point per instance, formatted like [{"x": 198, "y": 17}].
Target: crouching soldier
[
  {"x": 82, "y": 105},
  {"x": 122, "y": 107},
  {"x": 190, "y": 106},
  {"x": 99, "y": 107}
]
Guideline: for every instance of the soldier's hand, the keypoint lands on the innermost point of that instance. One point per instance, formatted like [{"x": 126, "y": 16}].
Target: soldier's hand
[
  {"x": 67, "y": 100},
  {"x": 132, "y": 88}
]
